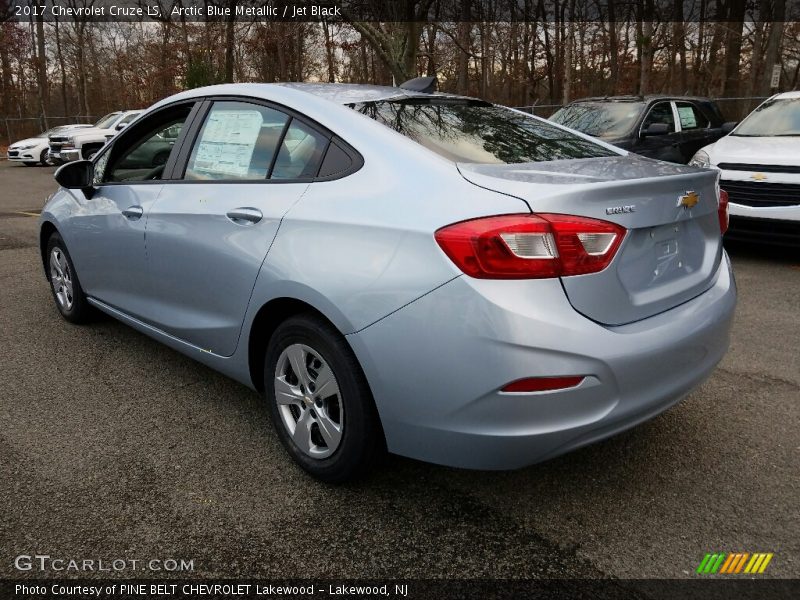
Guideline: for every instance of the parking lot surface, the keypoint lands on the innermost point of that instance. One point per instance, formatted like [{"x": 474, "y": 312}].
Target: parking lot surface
[{"x": 113, "y": 446}]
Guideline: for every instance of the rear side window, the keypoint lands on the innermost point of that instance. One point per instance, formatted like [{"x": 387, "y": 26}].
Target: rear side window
[
  {"x": 300, "y": 153},
  {"x": 336, "y": 161},
  {"x": 477, "y": 132},
  {"x": 691, "y": 117},
  {"x": 237, "y": 142}
]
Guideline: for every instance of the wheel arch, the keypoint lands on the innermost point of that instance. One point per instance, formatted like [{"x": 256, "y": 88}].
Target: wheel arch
[
  {"x": 45, "y": 231},
  {"x": 264, "y": 324}
]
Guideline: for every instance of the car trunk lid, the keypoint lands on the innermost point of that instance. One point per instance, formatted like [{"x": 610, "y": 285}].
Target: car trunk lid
[{"x": 671, "y": 252}]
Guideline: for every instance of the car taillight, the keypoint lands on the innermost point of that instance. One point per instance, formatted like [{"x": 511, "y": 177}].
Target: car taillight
[
  {"x": 530, "y": 246},
  {"x": 724, "y": 217}
]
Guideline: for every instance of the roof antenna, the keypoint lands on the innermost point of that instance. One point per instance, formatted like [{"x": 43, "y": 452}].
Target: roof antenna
[{"x": 424, "y": 85}]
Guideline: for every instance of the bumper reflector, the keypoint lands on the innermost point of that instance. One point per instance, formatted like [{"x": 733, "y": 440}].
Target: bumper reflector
[{"x": 542, "y": 384}]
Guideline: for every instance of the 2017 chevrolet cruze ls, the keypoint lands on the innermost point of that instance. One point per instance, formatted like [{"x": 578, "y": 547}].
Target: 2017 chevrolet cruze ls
[{"x": 449, "y": 279}]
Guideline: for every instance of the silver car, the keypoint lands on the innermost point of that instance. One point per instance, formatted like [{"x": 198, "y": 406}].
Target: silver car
[{"x": 448, "y": 279}]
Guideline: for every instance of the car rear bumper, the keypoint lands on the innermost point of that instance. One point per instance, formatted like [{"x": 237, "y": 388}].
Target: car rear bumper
[{"x": 437, "y": 365}]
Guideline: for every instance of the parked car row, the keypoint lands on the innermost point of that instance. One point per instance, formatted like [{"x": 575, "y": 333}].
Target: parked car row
[
  {"x": 66, "y": 143},
  {"x": 758, "y": 159},
  {"x": 36, "y": 150}
]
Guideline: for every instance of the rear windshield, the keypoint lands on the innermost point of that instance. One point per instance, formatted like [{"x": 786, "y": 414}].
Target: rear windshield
[
  {"x": 601, "y": 119},
  {"x": 478, "y": 132}
]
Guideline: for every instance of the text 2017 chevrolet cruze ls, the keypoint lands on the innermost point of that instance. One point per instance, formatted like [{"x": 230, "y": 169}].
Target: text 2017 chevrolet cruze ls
[{"x": 452, "y": 280}]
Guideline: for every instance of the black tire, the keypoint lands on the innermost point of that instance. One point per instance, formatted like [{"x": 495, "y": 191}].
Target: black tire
[
  {"x": 43, "y": 157},
  {"x": 79, "y": 310},
  {"x": 362, "y": 439}
]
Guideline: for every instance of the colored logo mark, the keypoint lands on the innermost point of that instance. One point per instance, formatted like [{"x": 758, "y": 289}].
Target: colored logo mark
[{"x": 734, "y": 562}]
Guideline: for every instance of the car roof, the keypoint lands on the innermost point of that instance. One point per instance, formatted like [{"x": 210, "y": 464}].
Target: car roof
[
  {"x": 788, "y": 95},
  {"x": 338, "y": 93},
  {"x": 646, "y": 98}
]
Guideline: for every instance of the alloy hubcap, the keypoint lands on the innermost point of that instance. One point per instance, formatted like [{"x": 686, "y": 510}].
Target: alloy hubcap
[
  {"x": 309, "y": 401},
  {"x": 61, "y": 278}
]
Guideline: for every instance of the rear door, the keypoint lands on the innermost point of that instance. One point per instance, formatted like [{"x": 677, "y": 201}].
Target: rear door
[
  {"x": 210, "y": 229},
  {"x": 696, "y": 129}
]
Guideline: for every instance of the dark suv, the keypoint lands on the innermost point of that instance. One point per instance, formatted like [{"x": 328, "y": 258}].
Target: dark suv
[{"x": 668, "y": 128}]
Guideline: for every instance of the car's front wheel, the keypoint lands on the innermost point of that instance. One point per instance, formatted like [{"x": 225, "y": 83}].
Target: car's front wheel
[
  {"x": 44, "y": 156},
  {"x": 320, "y": 403},
  {"x": 64, "y": 284}
]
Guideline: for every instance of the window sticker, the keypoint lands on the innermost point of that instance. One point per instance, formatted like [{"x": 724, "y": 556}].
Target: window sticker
[
  {"x": 687, "y": 116},
  {"x": 227, "y": 143}
]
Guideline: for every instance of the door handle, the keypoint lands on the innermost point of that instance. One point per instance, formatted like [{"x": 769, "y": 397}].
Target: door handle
[
  {"x": 244, "y": 215},
  {"x": 133, "y": 212}
]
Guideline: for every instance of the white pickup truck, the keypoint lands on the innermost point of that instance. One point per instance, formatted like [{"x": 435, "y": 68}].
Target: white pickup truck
[{"x": 77, "y": 144}]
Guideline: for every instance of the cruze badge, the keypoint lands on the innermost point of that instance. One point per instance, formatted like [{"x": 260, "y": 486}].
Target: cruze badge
[
  {"x": 689, "y": 199},
  {"x": 618, "y": 210}
]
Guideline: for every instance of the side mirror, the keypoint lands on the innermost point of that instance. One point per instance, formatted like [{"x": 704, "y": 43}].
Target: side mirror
[
  {"x": 76, "y": 175},
  {"x": 121, "y": 126},
  {"x": 729, "y": 126},
  {"x": 656, "y": 129}
]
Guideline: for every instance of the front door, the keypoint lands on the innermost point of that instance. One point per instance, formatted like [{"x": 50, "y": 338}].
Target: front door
[
  {"x": 209, "y": 232},
  {"x": 110, "y": 227},
  {"x": 665, "y": 146}
]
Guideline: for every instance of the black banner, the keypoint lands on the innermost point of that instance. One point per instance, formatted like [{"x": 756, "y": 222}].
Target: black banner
[
  {"x": 393, "y": 10},
  {"x": 550, "y": 589}
]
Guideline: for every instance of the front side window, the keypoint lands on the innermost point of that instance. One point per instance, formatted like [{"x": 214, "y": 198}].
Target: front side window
[
  {"x": 477, "y": 132},
  {"x": 777, "y": 117},
  {"x": 601, "y": 119},
  {"x": 143, "y": 150},
  {"x": 691, "y": 117},
  {"x": 660, "y": 113},
  {"x": 238, "y": 142}
]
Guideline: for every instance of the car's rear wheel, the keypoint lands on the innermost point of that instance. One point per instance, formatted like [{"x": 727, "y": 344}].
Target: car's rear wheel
[
  {"x": 320, "y": 403},
  {"x": 64, "y": 284}
]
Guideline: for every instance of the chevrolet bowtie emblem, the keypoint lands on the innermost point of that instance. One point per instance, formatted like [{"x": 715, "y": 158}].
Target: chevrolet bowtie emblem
[
  {"x": 758, "y": 177},
  {"x": 689, "y": 199}
]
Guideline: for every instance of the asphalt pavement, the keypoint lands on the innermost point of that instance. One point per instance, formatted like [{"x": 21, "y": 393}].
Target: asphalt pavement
[{"x": 113, "y": 446}]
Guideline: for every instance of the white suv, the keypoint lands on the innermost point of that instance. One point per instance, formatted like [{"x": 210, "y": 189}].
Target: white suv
[
  {"x": 759, "y": 163},
  {"x": 66, "y": 146}
]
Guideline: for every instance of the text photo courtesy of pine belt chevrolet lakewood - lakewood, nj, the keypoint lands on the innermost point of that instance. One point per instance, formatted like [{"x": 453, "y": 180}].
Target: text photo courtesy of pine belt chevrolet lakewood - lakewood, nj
[{"x": 423, "y": 298}]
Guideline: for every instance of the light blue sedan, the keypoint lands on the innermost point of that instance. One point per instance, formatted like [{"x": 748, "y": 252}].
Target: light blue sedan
[{"x": 448, "y": 279}]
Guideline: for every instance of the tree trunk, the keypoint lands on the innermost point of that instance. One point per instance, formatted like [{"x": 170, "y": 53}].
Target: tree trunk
[
  {"x": 41, "y": 67},
  {"x": 646, "y": 44},
  {"x": 613, "y": 48},
  {"x": 464, "y": 28},
  {"x": 733, "y": 48},
  {"x": 329, "y": 52},
  {"x": 229, "y": 42},
  {"x": 772, "y": 55}
]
